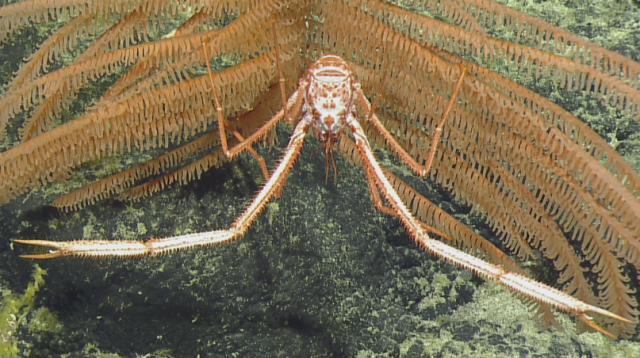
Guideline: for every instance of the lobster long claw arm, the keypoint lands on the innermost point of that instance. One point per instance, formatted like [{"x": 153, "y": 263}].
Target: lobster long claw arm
[
  {"x": 518, "y": 283},
  {"x": 135, "y": 248}
]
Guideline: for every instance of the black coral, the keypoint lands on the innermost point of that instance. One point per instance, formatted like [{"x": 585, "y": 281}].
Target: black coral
[{"x": 540, "y": 177}]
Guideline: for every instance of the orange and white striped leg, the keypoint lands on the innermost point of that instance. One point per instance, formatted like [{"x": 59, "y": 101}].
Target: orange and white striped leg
[
  {"x": 518, "y": 283},
  {"x": 133, "y": 248}
]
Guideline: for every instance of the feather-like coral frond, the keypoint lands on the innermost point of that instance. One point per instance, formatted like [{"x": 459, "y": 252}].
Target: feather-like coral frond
[{"x": 540, "y": 177}]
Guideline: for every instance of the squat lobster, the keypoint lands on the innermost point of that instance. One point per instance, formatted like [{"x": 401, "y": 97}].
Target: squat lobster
[{"x": 326, "y": 101}]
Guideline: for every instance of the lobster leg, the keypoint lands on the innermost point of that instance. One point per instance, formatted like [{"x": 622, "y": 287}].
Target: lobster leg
[
  {"x": 523, "y": 285},
  {"x": 417, "y": 168},
  {"x": 135, "y": 248}
]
